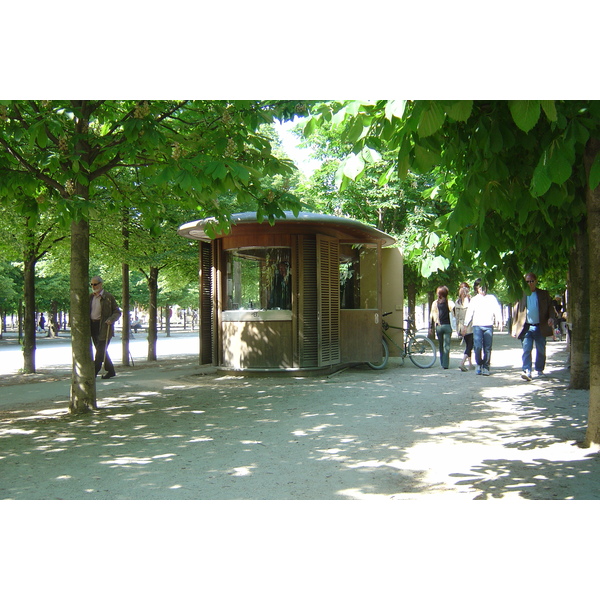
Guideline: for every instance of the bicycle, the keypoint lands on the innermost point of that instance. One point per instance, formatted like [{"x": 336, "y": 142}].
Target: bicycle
[{"x": 419, "y": 349}]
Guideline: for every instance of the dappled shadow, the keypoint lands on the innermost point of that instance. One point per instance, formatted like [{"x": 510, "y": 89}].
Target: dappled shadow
[{"x": 398, "y": 433}]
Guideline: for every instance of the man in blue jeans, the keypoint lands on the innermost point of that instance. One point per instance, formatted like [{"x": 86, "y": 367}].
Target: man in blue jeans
[
  {"x": 532, "y": 324},
  {"x": 484, "y": 310}
]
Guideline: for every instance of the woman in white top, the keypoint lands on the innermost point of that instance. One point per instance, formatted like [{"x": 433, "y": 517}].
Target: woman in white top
[{"x": 460, "y": 312}]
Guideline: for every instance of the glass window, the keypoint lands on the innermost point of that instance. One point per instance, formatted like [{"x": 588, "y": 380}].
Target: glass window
[
  {"x": 358, "y": 276},
  {"x": 258, "y": 278}
]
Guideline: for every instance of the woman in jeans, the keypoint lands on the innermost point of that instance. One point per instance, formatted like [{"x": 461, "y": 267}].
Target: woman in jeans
[
  {"x": 440, "y": 317},
  {"x": 460, "y": 311},
  {"x": 484, "y": 310}
]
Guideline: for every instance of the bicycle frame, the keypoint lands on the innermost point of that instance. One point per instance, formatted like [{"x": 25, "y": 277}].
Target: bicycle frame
[
  {"x": 405, "y": 337},
  {"x": 420, "y": 350}
]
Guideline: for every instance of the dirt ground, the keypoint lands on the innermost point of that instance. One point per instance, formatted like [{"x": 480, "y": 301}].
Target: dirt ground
[{"x": 176, "y": 431}]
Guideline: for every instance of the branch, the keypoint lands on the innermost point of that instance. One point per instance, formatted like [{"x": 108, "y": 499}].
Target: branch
[{"x": 33, "y": 171}]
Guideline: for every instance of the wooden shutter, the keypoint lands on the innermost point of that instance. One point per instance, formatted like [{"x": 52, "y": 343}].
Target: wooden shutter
[
  {"x": 205, "y": 317},
  {"x": 308, "y": 336},
  {"x": 328, "y": 300}
]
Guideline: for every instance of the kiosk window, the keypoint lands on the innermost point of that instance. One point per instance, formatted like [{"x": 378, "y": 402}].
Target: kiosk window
[{"x": 258, "y": 278}]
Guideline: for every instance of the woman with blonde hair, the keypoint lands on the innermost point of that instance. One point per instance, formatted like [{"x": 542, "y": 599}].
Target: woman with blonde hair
[
  {"x": 440, "y": 317},
  {"x": 460, "y": 311}
]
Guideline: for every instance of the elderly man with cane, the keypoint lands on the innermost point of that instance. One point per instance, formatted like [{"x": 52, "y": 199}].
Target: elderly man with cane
[{"x": 104, "y": 312}]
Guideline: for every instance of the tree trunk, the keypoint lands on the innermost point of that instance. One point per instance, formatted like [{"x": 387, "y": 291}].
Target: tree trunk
[
  {"x": 168, "y": 313},
  {"x": 53, "y": 321},
  {"x": 125, "y": 287},
  {"x": 593, "y": 226},
  {"x": 83, "y": 381},
  {"x": 30, "y": 326},
  {"x": 152, "y": 313},
  {"x": 578, "y": 310},
  {"x": 411, "y": 293}
]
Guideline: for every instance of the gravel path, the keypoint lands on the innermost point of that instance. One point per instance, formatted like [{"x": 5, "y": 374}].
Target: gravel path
[{"x": 175, "y": 431}]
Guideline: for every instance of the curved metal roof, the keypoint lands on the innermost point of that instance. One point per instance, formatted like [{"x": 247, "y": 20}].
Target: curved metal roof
[{"x": 195, "y": 229}]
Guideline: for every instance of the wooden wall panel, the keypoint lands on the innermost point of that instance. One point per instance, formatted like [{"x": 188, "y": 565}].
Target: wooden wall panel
[{"x": 257, "y": 345}]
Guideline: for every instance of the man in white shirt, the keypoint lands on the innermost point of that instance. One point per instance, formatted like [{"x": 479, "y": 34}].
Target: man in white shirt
[{"x": 484, "y": 309}]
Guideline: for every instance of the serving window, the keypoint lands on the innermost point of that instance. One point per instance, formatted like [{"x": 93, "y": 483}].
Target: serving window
[{"x": 258, "y": 279}]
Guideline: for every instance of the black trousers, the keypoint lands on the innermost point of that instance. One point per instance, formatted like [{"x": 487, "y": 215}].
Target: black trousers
[{"x": 101, "y": 347}]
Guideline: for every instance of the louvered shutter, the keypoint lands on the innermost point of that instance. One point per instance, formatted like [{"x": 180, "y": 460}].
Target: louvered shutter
[
  {"x": 328, "y": 300},
  {"x": 205, "y": 317}
]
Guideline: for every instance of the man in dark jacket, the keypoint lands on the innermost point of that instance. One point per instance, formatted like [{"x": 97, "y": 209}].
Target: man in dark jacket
[
  {"x": 104, "y": 312},
  {"x": 532, "y": 324}
]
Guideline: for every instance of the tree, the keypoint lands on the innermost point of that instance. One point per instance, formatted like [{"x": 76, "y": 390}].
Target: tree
[
  {"x": 518, "y": 176},
  {"x": 29, "y": 236},
  {"x": 201, "y": 149}
]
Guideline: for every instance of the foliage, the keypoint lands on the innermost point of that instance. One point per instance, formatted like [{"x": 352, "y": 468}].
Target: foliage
[{"x": 511, "y": 173}]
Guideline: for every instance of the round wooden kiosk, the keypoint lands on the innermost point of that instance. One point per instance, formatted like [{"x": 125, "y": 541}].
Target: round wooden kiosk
[{"x": 301, "y": 295}]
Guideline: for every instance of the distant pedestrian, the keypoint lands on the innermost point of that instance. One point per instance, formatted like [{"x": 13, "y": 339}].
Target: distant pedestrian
[
  {"x": 104, "y": 313},
  {"x": 532, "y": 324},
  {"x": 42, "y": 323},
  {"x": 440, "y": 316},
  {"x": 484, "y": 310}
]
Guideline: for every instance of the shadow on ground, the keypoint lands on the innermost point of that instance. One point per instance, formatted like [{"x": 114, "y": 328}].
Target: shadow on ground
[{"x": 398, "y": 433}]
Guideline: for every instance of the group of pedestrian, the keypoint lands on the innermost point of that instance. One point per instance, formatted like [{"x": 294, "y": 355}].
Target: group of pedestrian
[{"x": 533, "y": 318}]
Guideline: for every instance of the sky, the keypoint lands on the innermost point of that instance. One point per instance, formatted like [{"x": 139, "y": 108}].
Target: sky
[{"x": 300, "y": 156}]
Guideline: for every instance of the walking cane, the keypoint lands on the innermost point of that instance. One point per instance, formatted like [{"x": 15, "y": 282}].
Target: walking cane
[{"x": 106, "y": 344}]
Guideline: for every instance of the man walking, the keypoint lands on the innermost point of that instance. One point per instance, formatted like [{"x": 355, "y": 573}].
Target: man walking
[
  {"x": 483, "y": 311},
  {"x": 532, "y": 324},
  {"x": 104, "y": 312}
]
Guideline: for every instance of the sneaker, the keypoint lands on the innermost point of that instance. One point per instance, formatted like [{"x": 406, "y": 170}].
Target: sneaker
[
  {"x": 478, "y": 370},
  {"x": 526, "y": 375},
  {"x": 540, "y": 375},
  {"x": 463, "y": 368},
  {"x": 485, "y": 371}
]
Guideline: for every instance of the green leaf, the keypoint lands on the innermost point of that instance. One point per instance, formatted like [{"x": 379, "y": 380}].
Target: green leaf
[
  {"x": 541, "y": 182},
  {"x": 385, "y": 177},
  {"x": 220, "y": 172},
  {"x": 370, "y": 156},
  {"x": 549, "y": 109},
  {"x": 432, "y": 118},
  {"x": 403, "y": 164},
  {"x": 525, "y": 113},
  {"x": 394, "y": 108},
  {"x": 460, "y": 110},
  {"x": 559, "y": 168},
  {"x": 594, "y": 180},
  {"x": 353, "y": 166},
  {"x": 42, "y": 138},
  {"x": 425, "y": 159},
  {"x": 356, "y": 131}
]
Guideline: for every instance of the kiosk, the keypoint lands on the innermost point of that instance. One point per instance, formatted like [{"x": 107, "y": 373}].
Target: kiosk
[{"x": 302, "y": 295}]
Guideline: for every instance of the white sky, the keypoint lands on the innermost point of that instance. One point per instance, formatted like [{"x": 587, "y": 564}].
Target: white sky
[{"x": 300, "y": 156}]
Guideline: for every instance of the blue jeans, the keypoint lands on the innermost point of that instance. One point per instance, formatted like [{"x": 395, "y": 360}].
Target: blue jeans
[
  {"x": 482, "y": 342},
  {"x": 444, "y": 333},
  {"x": 534, "y": 336}
]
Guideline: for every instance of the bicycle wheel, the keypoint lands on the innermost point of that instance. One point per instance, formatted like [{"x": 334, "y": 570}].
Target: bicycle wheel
[
  {"x": 422, "y": 352},
  {"x": 384, "y": 357}
]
